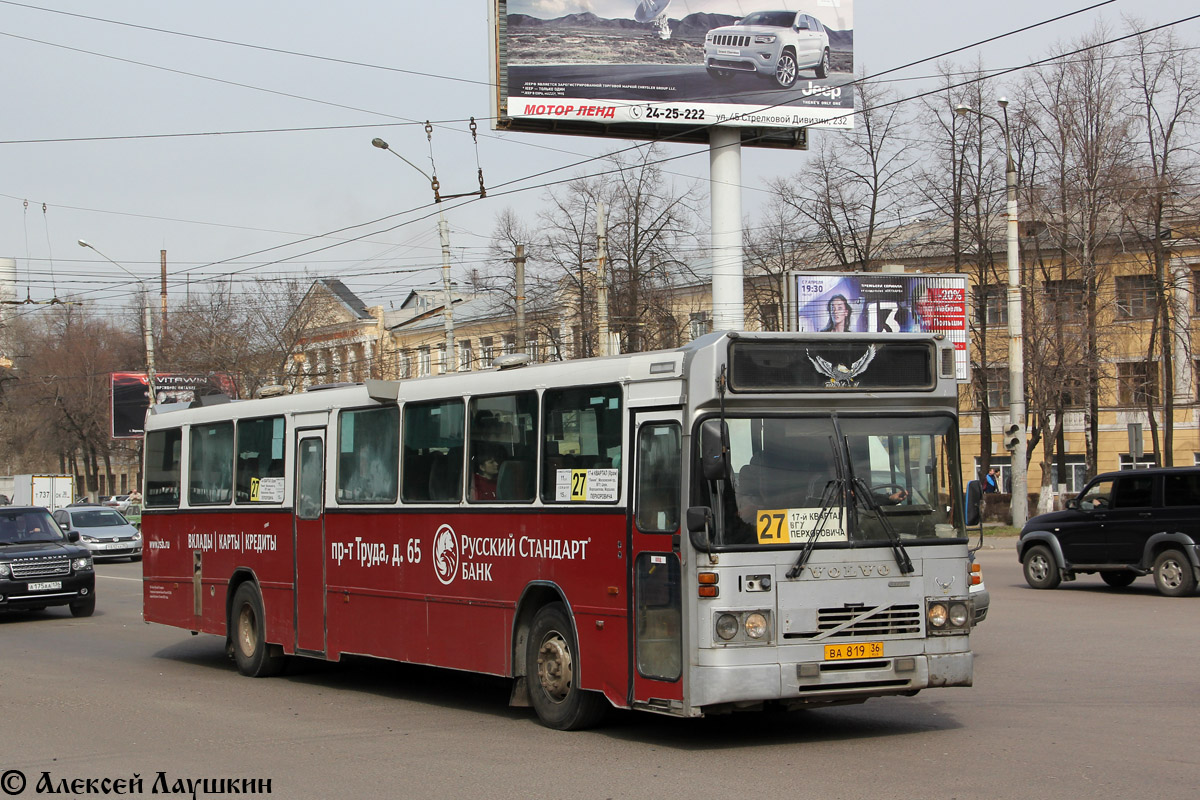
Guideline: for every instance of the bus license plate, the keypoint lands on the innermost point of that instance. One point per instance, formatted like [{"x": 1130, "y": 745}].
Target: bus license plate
[
  {"x": 45, "y": 586},
  {"x": 841, "y": 652}
]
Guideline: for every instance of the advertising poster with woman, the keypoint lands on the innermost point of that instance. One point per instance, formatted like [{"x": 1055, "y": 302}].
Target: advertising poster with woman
[{"x": 884, "y": 303}]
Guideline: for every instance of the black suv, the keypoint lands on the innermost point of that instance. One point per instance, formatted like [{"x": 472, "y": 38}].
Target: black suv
[
  {"x": 1122, "y": 525},
  {"x": 41, "y": 566}
]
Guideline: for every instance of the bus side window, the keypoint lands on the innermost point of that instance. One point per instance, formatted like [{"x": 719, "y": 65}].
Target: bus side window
[
  {"x": 659, "y": 475},
  {"x": 259, "y": 460},
  {"x": 210, "y": 465},
  {"x": 582, "y": 433},
  {"x": 163, "y": 456},
  {"x": 368, "y": 455},
  {"x": 503, "y": 453},
  {"x": 433, "y": 451}
]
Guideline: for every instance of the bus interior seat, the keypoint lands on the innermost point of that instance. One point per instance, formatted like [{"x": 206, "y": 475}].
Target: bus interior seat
[{"x": 514, "y": 482}]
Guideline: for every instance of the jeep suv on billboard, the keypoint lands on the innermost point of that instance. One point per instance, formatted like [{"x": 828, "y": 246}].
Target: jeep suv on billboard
[
  {"x": 1123, "y": 525},
  {"x": 774, "y": 44}
]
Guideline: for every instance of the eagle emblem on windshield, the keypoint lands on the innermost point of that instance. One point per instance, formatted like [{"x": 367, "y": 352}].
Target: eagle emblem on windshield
[{"x": 842, "y": 376}]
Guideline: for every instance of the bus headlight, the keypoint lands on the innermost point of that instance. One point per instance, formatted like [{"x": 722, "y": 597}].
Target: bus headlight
[
  {"x": 756, "y": 626},
  {"x": 727, "y": 626},
  {"x": 950, "y": 615}
]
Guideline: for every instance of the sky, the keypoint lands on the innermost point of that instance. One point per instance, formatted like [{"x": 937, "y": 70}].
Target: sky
[{"x": 160, "y": 134}]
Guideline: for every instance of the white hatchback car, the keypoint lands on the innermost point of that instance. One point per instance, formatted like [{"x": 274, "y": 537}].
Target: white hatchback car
[{"x": 770, "y": 43}]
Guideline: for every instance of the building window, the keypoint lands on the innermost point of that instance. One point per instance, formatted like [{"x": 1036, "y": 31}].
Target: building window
[
  {"x": 699, "y": 324},
  {"x": 1076, "y": 469},
  {"x": 997, "y": 387},
  {"x": 487, "y": 352},
  {"x": 1141, "y": 462},
  {"x": 510, "y": 345},
  {"x": 1064, "y": 299},
  {"x": 423, "y": 366},
  {"x": 1137, "y": 383},
  {"x": 1136, "y": 296},
  {"x": 995, "y": 304},
  {"x": 464, "y": 355},
  {"x": 532, "y": 347}
]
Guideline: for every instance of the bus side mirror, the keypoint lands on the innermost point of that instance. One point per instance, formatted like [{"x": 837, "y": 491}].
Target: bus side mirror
[
  {"x": 974, "y": 500},
  {"x": 699, "y": 523},
  {"x": 714, "y": 450}
]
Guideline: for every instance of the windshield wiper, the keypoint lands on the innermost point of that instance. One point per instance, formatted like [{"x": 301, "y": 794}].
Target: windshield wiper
[
  {"x": 902, "y": 559},
  {"x": 835, "y": 488}
]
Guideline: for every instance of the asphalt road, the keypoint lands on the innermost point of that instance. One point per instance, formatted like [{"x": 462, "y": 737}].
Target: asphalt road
[{"x": 1080, "y": 692}]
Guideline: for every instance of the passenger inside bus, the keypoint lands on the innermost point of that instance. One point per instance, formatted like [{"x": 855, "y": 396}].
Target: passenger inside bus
[{"x": 483, "y": 478}]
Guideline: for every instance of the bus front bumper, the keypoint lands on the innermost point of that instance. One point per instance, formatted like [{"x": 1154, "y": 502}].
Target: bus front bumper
[{"x": 818, "y": 683}]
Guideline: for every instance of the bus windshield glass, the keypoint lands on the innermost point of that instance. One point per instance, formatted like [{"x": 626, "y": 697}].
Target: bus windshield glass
[{"x": 857, "y": 480}]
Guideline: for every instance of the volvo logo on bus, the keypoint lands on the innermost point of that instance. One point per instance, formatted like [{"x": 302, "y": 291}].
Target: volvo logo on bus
[{"x": 445, "y": 554}]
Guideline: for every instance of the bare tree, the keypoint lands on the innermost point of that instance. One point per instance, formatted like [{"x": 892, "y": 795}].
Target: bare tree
[
  {"x": 853, "y": 184},
  {"x": 1074, "y": 107},
  {"x": 1163, "y": 103}
]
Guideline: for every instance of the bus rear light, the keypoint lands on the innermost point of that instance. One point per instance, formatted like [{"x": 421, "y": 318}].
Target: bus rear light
[{"x": 708, "y": 591}]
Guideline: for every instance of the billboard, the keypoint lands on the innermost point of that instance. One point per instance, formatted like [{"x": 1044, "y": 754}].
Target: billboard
[
  {"x": 654, "y": 68},
  {"x": 131, "y": 396},
  {"x": 872, "y": 302}
]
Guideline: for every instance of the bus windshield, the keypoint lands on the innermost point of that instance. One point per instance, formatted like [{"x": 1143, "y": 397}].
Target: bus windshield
[{"x": 860, "y": 480}]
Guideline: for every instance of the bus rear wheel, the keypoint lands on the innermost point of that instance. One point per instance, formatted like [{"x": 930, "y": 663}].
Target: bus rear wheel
[
  {"x": 255, "y": 658},
  {"x": 552, "y": 667}
]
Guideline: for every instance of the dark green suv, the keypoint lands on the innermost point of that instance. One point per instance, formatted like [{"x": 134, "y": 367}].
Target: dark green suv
[{"x": 1122, "y": 525}]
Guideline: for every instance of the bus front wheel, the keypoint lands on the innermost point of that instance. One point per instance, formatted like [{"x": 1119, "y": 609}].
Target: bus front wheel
[
  {"x": 552, "y": 666},
  {"x": 255, "y": 658}
]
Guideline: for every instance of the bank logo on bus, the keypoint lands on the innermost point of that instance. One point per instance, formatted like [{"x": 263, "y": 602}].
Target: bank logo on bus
[
  {"x": 842, "y": 376},
  {"x": 445, "y": 554}
]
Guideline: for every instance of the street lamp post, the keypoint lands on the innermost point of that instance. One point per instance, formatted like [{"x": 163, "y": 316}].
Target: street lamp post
[
  {"x": 146, "y": 324},
  {"x": 1014, "y": 433},
  {"x": 444, "y": 233}
]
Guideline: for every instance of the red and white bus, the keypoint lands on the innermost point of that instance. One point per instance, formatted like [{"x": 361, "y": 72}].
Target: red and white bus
[{"x": 755, "y": 519}]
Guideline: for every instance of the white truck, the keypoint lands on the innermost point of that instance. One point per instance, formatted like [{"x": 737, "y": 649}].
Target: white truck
[{"x": 49, "y": 491}]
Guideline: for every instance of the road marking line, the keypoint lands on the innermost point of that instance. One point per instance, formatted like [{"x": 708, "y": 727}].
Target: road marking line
[{"x": 118, "y": 578}]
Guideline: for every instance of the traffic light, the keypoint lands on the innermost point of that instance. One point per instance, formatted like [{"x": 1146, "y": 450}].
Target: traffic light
[{"x": 1012, "y": 436}]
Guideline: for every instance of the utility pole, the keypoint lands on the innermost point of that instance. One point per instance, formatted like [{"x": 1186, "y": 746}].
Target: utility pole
[
  {"x": 519, "y": 261},
  {"x": 602, "y": 282},
  {"x": 162, "y": 254},
  {"x": 448, "y": 313}
]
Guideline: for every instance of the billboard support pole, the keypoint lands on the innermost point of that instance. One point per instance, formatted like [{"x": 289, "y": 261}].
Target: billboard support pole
[{"x": 725, "y": 191}]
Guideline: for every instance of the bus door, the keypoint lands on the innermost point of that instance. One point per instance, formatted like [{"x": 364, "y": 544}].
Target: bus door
[
  {"x": 309, "y": 541},
  {"x": 656, "y": 510}
]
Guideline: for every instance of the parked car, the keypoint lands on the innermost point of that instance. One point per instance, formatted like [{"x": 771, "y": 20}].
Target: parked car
[
  {"x": 42, "y": 566},
  {"x": 774, "y": 44},
  {"x": 118, "y": 501},
  {"x": 103, "y": 531},
  {"x": 1123, "y": 525}
]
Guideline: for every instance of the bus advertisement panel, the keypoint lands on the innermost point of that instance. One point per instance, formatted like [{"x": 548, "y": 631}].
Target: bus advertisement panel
[
  {"x": 739, "y": 523},
  {"x": 884, "y": 303},
  {"x": 646, "y": 64}
]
